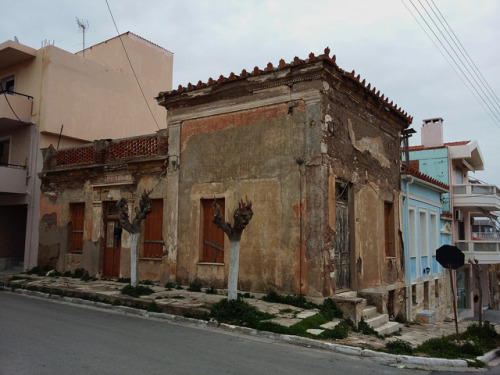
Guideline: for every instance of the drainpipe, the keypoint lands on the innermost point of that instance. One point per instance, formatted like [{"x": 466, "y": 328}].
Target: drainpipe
[{"x": 409, "y": 300}]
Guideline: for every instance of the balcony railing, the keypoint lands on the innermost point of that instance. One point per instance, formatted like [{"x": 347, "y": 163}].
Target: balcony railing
[
  {"x": 14, "y": 107},
  {"x": 486, "y": 252},
  {"x": 477, "y": 195},
  {"x": 487, "y": 236},
  {"x": 13, "y": 179}
]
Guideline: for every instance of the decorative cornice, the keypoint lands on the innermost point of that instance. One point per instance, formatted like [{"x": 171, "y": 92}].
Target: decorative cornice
[{"x": 281, "y": 66}]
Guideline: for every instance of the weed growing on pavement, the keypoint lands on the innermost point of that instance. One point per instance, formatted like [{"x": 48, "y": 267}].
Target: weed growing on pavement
[
  {"x": 330, "y": 310},
  {"x": 125, "y": 280},
  {"x": 399, "y": 347},
  {"x": 137, "y": 291},
  {"x": 169, "y": 286},
  {"x": 194, "y": 286},
  {"x": 211, "y": 290},
  {"x": 153, "y": 307}
]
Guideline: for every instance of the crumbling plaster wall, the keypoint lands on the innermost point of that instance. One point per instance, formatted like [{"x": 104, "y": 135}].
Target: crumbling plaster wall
[
  {"x": 251, "y": 153},
  {"x": 361, "y": 147},
  {"x": 85, "y": 185}
]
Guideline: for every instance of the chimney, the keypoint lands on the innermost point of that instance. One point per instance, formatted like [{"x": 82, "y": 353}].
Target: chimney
[{"x": 432, "y": 132}]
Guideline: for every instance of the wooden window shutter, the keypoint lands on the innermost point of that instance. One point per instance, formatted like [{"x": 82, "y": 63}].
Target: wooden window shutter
[
  {"x": 153, "y": 239},
  {"x": 77, "y": 212}
]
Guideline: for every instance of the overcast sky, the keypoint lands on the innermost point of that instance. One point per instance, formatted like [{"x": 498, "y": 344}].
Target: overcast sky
[{"x": 380, "y": 40}]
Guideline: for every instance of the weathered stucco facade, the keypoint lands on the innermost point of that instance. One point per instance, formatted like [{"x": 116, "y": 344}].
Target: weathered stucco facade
[
  {"x": 97, "y": 176},
  {"x": 317, "y": 152}
]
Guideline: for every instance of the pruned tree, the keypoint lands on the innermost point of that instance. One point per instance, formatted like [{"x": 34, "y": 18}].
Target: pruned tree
[
  {"x": 242, "y": 216},
  {"x": 134, "y": 228},
  {"x": 477, "y": 271}
]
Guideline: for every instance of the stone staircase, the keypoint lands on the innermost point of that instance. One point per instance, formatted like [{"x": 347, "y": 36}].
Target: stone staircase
[{"x": 379, "y": 322}]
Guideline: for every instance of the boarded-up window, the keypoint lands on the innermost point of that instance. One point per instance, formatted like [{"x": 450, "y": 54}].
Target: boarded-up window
[
  {"x": 77, "y": 211},
  {"x": 213, "y": 237},
  {"x": 153, "y": 239},
  {"x": 390, "y": 249}
]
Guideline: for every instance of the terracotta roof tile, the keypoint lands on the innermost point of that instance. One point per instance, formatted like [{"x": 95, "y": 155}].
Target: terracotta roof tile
[
  {"x": 414, "y": 172},
  {"x": 296, "y": 62},
  {"x": 421, "y": 147}
]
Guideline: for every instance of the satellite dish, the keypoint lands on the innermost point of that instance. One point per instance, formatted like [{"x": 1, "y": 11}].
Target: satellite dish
[{"x": 15, "y": 39}]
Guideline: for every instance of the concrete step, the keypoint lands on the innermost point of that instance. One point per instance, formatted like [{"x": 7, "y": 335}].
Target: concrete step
[
  {"x": 347, "y": 295},
  {"x": 378, "y": 320},
  {"x": 369, "y": 312},
  {"x": 388, "y": 328}
]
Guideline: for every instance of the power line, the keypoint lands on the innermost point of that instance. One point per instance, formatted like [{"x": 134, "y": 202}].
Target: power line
[
  {"x": 12, "y": 109},
  {"x": 487, "y": 95},
  {"x": 131, "y": 66},
  {"x": 488, "y": 100},
  {"x": 469, "y": 59}
]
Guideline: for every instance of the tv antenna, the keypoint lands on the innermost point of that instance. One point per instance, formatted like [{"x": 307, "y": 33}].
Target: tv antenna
[{"x": 82, "y": 24}]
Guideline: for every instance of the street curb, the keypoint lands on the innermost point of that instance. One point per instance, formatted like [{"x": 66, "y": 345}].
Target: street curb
[{"x": 384, "y": 358}]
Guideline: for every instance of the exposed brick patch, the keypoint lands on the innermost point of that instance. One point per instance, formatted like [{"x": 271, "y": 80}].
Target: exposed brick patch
[
  {"x": 133, "y": 147},
  {"x": 78, "y": 155},
  {"x": 223, "y": 122},
  {"x": 114, "y": 150}
]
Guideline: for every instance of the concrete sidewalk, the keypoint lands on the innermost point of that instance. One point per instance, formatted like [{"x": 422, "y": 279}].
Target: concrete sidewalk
[{"x": 178, "y": 303}]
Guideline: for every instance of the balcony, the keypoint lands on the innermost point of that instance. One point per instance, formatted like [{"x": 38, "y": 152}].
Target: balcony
[
  {"x": 486, "y": 252},
  {"x": 13, "y": 179},
  {"x": 15, "y": 109},
  {"x": 486, "y": 197}
]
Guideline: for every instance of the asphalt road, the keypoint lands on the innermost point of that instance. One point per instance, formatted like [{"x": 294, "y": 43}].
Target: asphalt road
[{"x": 39, "y": 336}]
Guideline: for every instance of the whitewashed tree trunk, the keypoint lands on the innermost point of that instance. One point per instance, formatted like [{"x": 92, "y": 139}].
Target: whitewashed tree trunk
[
  {"x": 134, "y": 241},
  {"x": 242, "y": 216},
  {"x": 234, "y": 266}
]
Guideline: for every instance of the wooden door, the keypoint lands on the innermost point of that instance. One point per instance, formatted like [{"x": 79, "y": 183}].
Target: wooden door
[
  {"x": 112, "y": 249},
  {"x": 342, "y": 256},
  {"x": 213, "y": 237}
]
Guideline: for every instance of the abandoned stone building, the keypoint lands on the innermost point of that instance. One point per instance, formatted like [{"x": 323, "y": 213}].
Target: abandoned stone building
[{"x": 314, "y": 148}]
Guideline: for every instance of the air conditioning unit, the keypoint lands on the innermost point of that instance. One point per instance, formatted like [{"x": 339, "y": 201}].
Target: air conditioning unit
[{"x": 459, "y": 216}]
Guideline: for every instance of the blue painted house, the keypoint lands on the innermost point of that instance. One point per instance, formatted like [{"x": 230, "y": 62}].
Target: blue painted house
[
  {"x": 425, "y": 228},
  {"x": 466, "y": 201}
]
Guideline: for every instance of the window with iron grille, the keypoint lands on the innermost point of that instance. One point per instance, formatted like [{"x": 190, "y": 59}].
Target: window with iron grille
[
  {"x": 213, "y": 237},
  {"x": 77, "y": 212},
  {"x": 153, "y": 239}
]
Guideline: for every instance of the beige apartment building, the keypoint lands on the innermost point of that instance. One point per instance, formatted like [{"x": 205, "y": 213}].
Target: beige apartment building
[{"x": 53, "y": 97}]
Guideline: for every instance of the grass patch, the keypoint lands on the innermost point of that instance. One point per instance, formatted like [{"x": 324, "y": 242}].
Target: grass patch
[
  {"x": 293, "y": 300},
  {"x": 237, "y": 312},
  {"x": 474, "y": 342},
  {"x": 341, "y": 331},
  {"x": 125, "y": 280},
  {"x": 137, "y": 291},
  {"x": 398, "y": 346}
]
